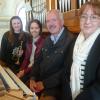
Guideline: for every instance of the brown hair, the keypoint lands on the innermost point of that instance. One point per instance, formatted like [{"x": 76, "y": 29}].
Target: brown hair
[
  {"x": 95, "y": 6},
  {"x": 37, "y": 22},
  {"x": 11, "y": 32}
]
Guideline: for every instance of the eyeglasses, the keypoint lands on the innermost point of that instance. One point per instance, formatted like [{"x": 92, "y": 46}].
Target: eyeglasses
[{"x": 93, "y": 18}]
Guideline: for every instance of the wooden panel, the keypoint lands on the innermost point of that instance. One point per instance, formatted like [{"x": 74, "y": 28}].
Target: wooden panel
[
  {"x": 75, "y": 29},
  {"x": 9, "y": 97},
  {"x": 71, "y": 20},
  {"x": 73, "y": 4},
  {"x": 51, "y": 4}
]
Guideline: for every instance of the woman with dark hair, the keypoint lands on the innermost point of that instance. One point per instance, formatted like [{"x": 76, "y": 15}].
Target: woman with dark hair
[
  {"x": 13, "y": 45},
  {"x": 33, "y": 49}
]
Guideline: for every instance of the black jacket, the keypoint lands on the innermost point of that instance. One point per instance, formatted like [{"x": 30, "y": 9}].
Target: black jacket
[{"x": 91, "y": 88}]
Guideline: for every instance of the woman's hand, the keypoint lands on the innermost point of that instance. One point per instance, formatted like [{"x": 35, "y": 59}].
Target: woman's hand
[
  {"x": 36, "y": 86},
  {"x": 20, "y": 74}
]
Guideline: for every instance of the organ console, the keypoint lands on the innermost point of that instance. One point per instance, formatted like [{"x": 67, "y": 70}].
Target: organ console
[{"x": 15, "y": 88}]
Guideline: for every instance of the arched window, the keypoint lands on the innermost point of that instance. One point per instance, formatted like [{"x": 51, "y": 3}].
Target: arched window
[{"x": 21, "y": 12}]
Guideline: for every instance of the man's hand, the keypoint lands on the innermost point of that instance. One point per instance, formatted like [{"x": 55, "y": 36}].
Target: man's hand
[
  {"x": 33, "y": 86},
  {"x": 20, "y": 74},
  {"x": 36, "y": 86},
  {"x": 40, "y": 86}
]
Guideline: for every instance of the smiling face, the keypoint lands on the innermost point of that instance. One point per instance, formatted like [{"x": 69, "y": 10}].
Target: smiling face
[
  {"x": 16, "y": 25},
  {"x": 89, "y": 21},
  {"x": 54, "y": 22},
  {"x": 34, "y": 29}
]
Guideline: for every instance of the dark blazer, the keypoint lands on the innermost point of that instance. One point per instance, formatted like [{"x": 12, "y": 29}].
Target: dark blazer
[
  {"x": 91, "y": 89},
  {"x": 49, "y": 66}
]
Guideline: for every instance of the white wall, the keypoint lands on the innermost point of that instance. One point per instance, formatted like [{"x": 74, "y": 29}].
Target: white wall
[{"x": 8, "y": 8}]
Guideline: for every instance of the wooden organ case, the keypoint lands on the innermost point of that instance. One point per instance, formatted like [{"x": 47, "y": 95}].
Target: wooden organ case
[{"x": 15, "y": 88}]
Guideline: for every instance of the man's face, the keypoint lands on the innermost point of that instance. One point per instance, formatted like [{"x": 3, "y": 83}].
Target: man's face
[{"x": 54, "y": 23}]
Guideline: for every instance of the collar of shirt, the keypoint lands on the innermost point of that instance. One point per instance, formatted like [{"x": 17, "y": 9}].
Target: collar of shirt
[
  {"x": 36, "y": 39},
  {"x": 57, "y": 36}
]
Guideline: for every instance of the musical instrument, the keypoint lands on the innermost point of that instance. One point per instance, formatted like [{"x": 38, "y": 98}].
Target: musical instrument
[
  {"x": 19, "y": 51},
  {"x": 15, "y": 88}
]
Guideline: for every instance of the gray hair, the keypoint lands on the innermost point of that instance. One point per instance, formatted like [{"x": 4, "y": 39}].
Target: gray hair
[{"x": 57, "y": 12}]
